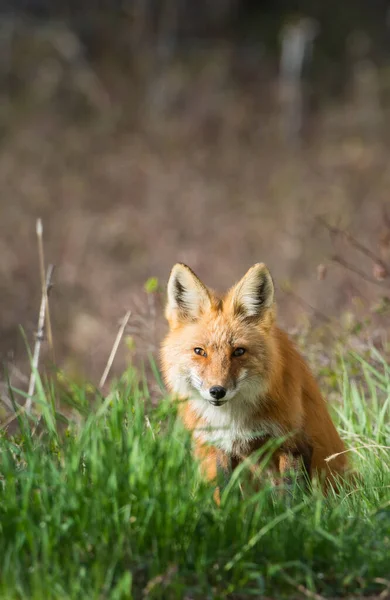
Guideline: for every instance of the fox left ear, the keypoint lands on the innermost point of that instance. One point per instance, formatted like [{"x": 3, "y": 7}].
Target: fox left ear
[{"x": 254, "y": 294}]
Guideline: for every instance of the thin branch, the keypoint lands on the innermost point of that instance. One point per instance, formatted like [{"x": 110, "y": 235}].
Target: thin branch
[
  {"x": 301, "y": 588},
  {"x": 336, "y": 232},
  {"x": 44, "y": 286},
  {"x": 13, "y": 417},
  {"x": 386, "y": 218},
  {"x": 340, "y": 261},
  {"x": 5, "y": 400},
  {"x": 114, "y": 349},
  {"x": 39, "y": 336},
  {"x": 320, "y": 315}
]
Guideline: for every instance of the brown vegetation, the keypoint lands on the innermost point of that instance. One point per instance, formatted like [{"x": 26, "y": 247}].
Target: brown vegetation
[{"x": 192, "y": 168}]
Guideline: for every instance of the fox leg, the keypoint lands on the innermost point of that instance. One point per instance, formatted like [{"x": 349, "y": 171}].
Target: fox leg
[
  {"x": 214, "y": 464},
  {"x": 295, "y": 458},
  {"x": 282, "y": 465},
  {"x": 318, "y": 464}
]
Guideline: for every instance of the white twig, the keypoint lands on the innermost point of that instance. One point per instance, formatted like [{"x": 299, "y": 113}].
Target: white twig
[
  {"x": 44, "y": 286},
  {"x": 39, "y": 337},
  {"x": 114, "y": 349}
]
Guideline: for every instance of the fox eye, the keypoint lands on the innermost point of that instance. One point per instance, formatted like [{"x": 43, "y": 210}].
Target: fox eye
[
  {"x": 200, "y": 351},
  {"x": 239, "y": 352}
]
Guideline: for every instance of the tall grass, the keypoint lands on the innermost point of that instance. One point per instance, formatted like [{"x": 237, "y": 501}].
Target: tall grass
[{"x": 113, "y": 507}]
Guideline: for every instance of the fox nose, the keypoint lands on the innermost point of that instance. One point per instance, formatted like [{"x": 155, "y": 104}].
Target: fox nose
[{"x": 217, "y": 392}]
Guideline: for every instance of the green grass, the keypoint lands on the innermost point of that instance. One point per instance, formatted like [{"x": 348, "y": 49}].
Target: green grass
[{"x": 113, "y": 507}]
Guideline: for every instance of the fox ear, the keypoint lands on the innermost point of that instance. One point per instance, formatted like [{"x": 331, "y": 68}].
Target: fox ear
[
  {"x": 254, "y": 294},
  {"x": 187, "y": 296}
]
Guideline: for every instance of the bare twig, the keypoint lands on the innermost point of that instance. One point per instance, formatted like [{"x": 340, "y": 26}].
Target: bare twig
[
  {"x": 386, "y": 218},
  {"x": 385, "y": 594},
  {"x": 114, "y": 349},
  {"x": 301, "y": 588},
  {"x": 317, "y": 313},
  {"x": 160, "y": 580},
  {"x": 336, "y": 232},
  {"x": 44, "y": 286},
  {"x": 13, "y": 417},
  {"x": 39, "y": 336},
  {"x": 4, "y": 398},
  {"x": 340, "y": 261}
]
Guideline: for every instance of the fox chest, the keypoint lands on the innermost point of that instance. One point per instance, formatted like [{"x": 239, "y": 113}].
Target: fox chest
[{"x": 235, "y": 434}]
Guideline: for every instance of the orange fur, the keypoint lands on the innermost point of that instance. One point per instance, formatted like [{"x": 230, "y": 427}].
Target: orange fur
[{"x": 270, "y": 391}]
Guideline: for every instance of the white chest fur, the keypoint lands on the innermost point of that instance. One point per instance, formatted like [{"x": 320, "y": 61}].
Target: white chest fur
[{"x": 230, "y": 424}]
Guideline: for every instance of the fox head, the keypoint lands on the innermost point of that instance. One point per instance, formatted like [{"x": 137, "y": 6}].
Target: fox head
[{"x": 219, "y": 348}]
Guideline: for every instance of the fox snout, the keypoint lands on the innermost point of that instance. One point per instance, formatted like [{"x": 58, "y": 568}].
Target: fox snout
[
  {"x": 217, "y": 392},
  {"x": 218, "y": 395}
]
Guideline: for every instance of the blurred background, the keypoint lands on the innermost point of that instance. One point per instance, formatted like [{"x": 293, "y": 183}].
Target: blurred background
[{"x": 219, "y": 134}]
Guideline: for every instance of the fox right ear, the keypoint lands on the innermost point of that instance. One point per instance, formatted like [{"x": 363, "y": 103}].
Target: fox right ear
[
  {"x": 253, "y": 296},
  {"x": 188, "y": 298}
]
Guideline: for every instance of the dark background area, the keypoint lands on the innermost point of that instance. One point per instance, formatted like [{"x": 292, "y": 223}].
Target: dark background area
[{"x": 146, "y": 133}]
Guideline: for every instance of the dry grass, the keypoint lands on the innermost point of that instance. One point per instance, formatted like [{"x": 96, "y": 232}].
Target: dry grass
[{"x": 199, "y": 175}]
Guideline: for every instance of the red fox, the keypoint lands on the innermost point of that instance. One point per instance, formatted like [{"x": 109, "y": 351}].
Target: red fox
[{"x": 244, "y": 381}]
